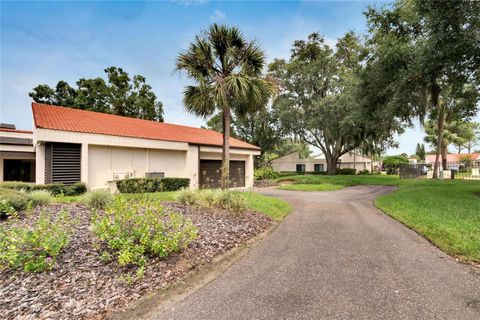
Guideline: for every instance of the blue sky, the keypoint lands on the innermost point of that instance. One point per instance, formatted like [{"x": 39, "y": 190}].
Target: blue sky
[{"x": 44, "y": 42}]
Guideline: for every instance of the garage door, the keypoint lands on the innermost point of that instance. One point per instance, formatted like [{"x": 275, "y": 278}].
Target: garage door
[{"x": 210, "y": 173}]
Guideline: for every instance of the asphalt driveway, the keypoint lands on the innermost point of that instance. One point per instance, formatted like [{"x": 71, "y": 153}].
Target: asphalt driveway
[{"x": 337, "y": 257}]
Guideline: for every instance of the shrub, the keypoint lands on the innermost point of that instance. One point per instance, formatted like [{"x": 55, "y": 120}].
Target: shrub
[
  {"x": 54, "y": 188},
  {"x": 187, "y": 197},
  {"x": 210, "y": 198},
  {"x": 265, "y": 173},
  {"x": 97, "y": 199},
  {"x": 363, "y": 172},
  {"x": 35, "y": 248},
  {"x": 393, "y": 163},
  {"x": 143, "y": 185},
  {"x": 346, "y": 171},
  {"x": 12, "y": 199},
  {"x": 40, "y": 198},
  {"x": 133, "y": 230}
]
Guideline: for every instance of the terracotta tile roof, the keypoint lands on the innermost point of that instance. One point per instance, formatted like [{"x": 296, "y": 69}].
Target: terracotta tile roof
[
  {"x": 452, "y": 157},
  {"x": 15, "y": 130},
  {"x": 67, "y": 119}
]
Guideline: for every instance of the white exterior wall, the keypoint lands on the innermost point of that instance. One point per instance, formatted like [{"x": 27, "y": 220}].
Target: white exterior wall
[
  {"x": 103, "y": 156},
  {"x": 106, "y": 161}
]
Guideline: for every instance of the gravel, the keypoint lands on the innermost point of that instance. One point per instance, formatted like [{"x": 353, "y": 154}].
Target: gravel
[{"x": 81, "y": 286}]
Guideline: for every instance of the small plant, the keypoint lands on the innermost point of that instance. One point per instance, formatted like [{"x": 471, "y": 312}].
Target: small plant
[
  {"x": 187, "y": 197},
  {"x": 40, "y": 198},
  {"x": 16, "y": 199},
  {"x": 35, "y": 248},
  {"x": 132, "y": 230},
  {"x": 265, "y": 173},
  {"x": 97, "y": 199},
  {"x": 210, "y": 198}
]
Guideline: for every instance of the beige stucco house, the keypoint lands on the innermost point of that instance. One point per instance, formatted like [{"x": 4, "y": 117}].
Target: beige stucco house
[
  {"x": 73, "y": 145},
  {"x": 293, "y": 162}
]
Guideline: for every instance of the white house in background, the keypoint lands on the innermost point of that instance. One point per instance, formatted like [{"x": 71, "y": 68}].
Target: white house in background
[
  {"x": 70, "y": 145},
  {"x": 317, "y": 163}
]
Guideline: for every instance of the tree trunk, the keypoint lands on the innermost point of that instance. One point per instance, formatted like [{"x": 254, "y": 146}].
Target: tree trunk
[
  {"x": 331, "y": 164},
  {"x": 225, "y": 181},
  {"x": 444, "y": 154},
  {"x": 469, "y": 148},
  {"x": 435, "y": 93}
]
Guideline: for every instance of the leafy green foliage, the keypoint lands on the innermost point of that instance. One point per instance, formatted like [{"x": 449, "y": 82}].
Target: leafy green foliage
[
  {"x": 346, "y": 171},
  {"x": 35, "y": 248},
  {"x": 142, "y": 185},
  {"x": 227, "y": 70},
  {"x": 120, "y": 95},
  {"x": 265, "y": 173},
  {"x": 40, "y": 198},
  {"x": 54, "y": 188},
  {"x": 132, "y": 230},
  {"x": 213, "y": 198},
  {"x": 97, "y": 199},
  {"x": 12, "y": 201},
  {"x": 392, "y": 163}
]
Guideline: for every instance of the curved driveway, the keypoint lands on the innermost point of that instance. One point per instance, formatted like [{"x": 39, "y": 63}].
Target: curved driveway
[{"x": 337, "y": 257}]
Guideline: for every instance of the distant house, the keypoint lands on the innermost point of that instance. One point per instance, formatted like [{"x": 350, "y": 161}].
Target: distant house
[
  {"x": 454, "y": 158},
  {"x": 71, "y": 145},
  {"x": 317, "y": 163}
]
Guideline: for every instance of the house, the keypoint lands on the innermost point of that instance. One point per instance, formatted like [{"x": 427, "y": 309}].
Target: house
[
  {"x": 454, "y": 159},
  {"x": 72, "y": 145},
  {"x": 317, "y": 163},
  {"x": 17, "y": 155}
]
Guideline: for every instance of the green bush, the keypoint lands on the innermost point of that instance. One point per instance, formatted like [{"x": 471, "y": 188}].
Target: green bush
[
  {"x": 393, "y": 163},
  {"x": 35, "y": 248},
  {"x": 143, "y": 185},
  {"x": 213, "y": 198},
  {"x": 346, "y": 171},
  {"x": 12, "y": 199},
  {"x": 54, "y": 188},
  {"x": 97, "y": 199},
  {"x": 363, "y": 172},
  {"x": 40, "y": 198},
  {"x": 132, "y": 230},
  {"x": 265, "y": 173}
]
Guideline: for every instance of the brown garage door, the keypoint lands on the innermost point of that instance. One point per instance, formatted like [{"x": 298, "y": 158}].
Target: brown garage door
[{"x": 210, "y": 173}]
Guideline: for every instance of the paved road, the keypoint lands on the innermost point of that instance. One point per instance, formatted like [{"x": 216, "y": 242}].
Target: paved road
[{"x": 337, "y": 257}]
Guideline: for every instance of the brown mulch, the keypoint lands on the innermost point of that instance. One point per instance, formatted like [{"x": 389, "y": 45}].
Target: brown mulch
[
  {"x": 81, "y": 286},
  {"x": 265, "y": 183}
]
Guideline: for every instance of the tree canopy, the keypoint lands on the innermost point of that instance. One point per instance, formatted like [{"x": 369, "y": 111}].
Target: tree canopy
[{"x": 119, "y": 94}]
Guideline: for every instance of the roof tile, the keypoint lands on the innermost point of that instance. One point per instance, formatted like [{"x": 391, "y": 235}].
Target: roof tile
[{"x": 75, "y": 120}]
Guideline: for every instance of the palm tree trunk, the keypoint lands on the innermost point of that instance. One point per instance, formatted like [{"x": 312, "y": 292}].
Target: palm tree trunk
[
  {"x": 444, "y": 154},
  {"x": 435, "y": 93},
  {"x": 225, "y": 182}
]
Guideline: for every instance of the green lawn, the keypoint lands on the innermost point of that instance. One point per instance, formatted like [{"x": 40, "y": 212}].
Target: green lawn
[
  {"x": 312, "y": 187},
  {"x": 342, "y": 180},
  {"x": 272, "y": 207},
  {"x": 445, "y": 212}
]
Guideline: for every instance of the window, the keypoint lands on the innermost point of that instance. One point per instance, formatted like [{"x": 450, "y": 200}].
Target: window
[
  {"x": 300, "y": 168},
  {"x": 318, "y": 167}
]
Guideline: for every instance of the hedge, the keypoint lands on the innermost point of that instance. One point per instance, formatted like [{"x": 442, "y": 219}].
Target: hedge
[
  {"x": 54, "y": 188},
  {"x": 143, "y": 185},
  {"x": 346, "y": 171}
]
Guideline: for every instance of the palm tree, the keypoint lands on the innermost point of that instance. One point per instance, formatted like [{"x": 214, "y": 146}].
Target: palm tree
[{"x": 227, "y": 70}]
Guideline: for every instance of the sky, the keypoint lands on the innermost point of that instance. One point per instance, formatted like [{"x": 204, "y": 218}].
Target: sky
[{"x": 44, "y": 42}]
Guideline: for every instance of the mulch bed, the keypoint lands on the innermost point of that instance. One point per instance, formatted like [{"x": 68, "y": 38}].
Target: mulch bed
[
  {"x": 265, "y": 183},
  {"x": 81, "y": 286}
]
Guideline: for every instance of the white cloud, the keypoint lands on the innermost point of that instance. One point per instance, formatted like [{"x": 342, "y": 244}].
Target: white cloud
[{"x": 218, "y": 15}]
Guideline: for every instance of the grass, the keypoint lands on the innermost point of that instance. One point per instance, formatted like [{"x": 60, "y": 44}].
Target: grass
[
  {"x": 272, "y": 207},
  {"x": 342, "y": 180},
  {"x": 445, "y": 212},
  {"x": 312, "y": 187}
]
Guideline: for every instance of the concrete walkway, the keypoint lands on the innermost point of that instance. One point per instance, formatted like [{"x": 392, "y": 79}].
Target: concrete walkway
[{"x": 337, "y": 257}]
